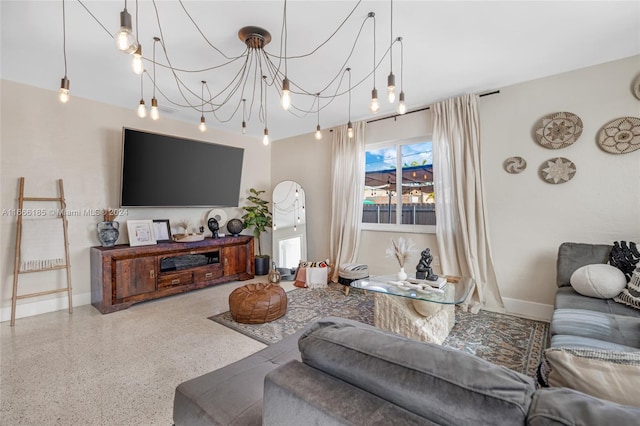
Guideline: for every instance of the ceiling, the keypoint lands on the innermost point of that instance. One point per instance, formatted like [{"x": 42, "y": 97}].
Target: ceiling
[{"x": 450, "y": 48}]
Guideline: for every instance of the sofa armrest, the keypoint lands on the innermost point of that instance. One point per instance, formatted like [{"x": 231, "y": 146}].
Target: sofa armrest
[
  {"x": 443, "y": 385},
  {"x": 572, "y": 256}
]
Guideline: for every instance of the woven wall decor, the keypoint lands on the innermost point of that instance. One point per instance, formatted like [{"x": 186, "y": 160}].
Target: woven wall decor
[
  {"x": 514, "y": 165},
  {"x": 557, "y": 170},
  {"x": 620, "y": 136},
  {"x": 636, "y": 87},
  {"x": 558, "y": 130}
]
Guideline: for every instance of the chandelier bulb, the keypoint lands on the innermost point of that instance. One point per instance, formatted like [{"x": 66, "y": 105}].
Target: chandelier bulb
[
  {"x": 63, "y": 94},
  {"x": 136, "y": 61},
  {"x": 142, "y": 109},
  {"x": 391, "y": 86},
  {"x": 286, "y": 94},
  {"x": 374, "y": 106},
  {"x": 350, "y": 130},
  {"x": 203, "y": 125},
  {"x": 154, "y": 109},
  {"x": 318, "y": 133},
  {"x": 402, "y": 107},
  {"x": 244, "y": 127},
  {"x": 125, "y": 41},
  {"x": 265, "y": 138}
]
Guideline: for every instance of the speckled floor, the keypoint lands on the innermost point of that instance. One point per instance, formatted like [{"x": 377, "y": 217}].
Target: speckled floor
[{"x": 115, "y": 369}]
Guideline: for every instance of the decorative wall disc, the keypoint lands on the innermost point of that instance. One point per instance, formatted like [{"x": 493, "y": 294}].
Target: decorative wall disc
[
  {"x": 219, "y": 215},
  {"x": 620, "y": 136},
  {"x": 557, "y": 170},
  {"x": 558, "y": 130},
  {"x": 514, "y": 165},
  {"x": 636, "y": 87}
]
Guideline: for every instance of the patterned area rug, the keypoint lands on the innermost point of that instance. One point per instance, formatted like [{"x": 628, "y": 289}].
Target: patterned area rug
[{"x": 512, "y": 342}]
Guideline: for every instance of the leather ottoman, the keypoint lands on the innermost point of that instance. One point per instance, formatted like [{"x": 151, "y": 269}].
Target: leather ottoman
[{"x": 257, "y": 303}]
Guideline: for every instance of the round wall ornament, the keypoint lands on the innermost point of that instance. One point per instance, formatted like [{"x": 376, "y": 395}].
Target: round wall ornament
[
  {"x": 219, "y": 215},
  {"x": 620, "y": 136},
  {"x": 514, "y": 165},
  {"x": 636, "y": 87},
  {"x": 558, "y": 130},
  {"x": 557, "y": 170}
]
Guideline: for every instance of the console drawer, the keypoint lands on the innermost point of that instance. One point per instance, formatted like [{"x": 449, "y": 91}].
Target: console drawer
[
  {"x": 171, "y": 280},
  {"x": 207, "y": 274}
]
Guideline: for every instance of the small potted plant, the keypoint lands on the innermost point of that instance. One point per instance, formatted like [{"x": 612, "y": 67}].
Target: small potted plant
[{"x": 259, "y": 217}]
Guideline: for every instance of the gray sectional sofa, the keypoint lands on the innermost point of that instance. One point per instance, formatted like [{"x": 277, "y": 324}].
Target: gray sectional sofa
[{"x": 341, "y": 372}]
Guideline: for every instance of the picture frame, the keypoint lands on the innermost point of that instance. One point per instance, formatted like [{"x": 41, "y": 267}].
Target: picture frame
[
  {"x": 141, "y": 233},
  {"x": 162, "y": 230}
]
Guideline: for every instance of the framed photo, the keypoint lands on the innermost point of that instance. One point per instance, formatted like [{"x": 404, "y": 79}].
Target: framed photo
[
  {"x": 162, "y": 230},
  {"x": 141, "y": 233}
]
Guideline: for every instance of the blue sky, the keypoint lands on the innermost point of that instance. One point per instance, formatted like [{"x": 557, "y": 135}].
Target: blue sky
[{"x": 385, "y": 158}]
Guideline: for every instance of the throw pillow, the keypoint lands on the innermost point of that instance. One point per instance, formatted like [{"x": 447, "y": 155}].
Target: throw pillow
[
  {"x": 624, "y": 257},
  {"x": 609, "y": 375},
  {"x": 599, "y": 280},
  {"x": 630, "y": 296}
]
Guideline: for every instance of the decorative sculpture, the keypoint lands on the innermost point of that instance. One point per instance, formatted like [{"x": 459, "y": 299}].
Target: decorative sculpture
[
  {"x": 213, "y": 226},
  {"x": 423, "y": 269}
]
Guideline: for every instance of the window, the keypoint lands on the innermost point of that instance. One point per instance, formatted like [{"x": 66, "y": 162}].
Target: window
[{"x": 392, "y": 200}]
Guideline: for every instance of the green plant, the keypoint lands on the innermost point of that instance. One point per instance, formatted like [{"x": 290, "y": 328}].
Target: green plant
[{"x": 257, "y": 215}]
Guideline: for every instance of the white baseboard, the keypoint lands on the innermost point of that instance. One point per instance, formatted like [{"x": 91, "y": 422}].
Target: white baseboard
[
  {"x": 532, "y": 310},
  {"x": 43, "y": 306}
]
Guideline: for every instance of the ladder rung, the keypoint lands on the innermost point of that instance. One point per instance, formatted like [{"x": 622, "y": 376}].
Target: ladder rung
[
  {"x": 42, "y": 199},
  {"x": 42, "y": 293},
  {"x": 53, "y": 268}
]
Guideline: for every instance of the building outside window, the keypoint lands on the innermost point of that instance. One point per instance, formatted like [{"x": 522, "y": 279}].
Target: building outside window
[{"x": 398, "y": 183}]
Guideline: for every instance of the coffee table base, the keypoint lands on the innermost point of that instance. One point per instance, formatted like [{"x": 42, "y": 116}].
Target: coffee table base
[{"x": 398, "y": 315}]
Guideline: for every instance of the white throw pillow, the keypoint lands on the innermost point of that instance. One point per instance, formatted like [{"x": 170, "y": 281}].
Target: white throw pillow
[{"x": 599, "y": 280}]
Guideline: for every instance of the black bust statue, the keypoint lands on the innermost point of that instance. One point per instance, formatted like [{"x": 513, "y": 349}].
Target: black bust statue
[
  {"x": 213, "y": 226},
  {"x": 423, "y": 269}
]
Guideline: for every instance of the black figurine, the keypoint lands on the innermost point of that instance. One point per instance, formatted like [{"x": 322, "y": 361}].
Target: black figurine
[
  {"x": 423, "y": 269},
  {"x": 213, "y": 226}
]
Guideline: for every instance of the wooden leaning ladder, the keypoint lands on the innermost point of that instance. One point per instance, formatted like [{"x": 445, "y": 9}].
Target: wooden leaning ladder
[{"x": 16, "y": 265}]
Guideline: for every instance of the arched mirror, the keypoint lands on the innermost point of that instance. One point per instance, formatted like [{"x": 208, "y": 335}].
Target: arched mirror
[{"x": 289, "y": 225}]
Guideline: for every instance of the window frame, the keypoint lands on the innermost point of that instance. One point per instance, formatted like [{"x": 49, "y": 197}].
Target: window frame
[{"x": 398, "y": 227}]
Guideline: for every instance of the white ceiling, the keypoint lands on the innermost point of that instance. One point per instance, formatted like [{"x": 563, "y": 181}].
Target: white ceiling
[{"x": 450, "y": 48}]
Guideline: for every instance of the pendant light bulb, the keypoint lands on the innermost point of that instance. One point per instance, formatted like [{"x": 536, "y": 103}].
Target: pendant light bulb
[
  {"x": 63, "y": 94},
  {"x": 203, "y": 125},
  {"x": 136, "y": 61},
  {"x": 142, "y": 109},
  {"x": 350, "y": 130},
  {"x": 265, "y": 138},
  {"x": 374, "y": 106},
  {"x": 244, "y": 127},
  {"x": 154, "y": 109},
  {"x": 402, "y": 107},
  {"x": 318, "y": 134},
  {"x": 125, "y": 41},
  {"x": 391, "y": 86},
  {"x": 286, "y": 95}
]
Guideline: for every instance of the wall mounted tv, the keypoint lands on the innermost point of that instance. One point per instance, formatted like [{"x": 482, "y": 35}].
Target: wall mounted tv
[{"x": 167, "y": 171}]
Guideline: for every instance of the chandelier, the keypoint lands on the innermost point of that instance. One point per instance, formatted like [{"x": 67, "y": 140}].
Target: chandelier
[{"x": 256, "y": 73}]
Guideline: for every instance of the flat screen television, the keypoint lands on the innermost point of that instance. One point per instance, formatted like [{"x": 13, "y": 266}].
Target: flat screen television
[{"x": 168, "y": 171}]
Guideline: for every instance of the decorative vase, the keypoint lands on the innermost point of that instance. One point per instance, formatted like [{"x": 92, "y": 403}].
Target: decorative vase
[
  {"x": 108, "y": 233},
  {"x": 235, "y": 226},
  {"x": 402, "y": 275}
]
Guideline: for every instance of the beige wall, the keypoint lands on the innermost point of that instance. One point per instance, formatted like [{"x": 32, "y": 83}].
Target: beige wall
[
  {"x": 528, "y": 218},
  {"x": 80, "y": 142}
]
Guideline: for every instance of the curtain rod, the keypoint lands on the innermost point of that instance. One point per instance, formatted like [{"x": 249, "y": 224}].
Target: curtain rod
[{"x": 424, "y": 109}]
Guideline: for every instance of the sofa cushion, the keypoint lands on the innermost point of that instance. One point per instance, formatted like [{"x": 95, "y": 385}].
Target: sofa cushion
[
  {"x": 569, "y": 341},
  {"x": 596, "y": 325},
  {"x": 572, "y": 256},
  {"x": 560, "y": 406},
  {"x": 599, "y": 280},
  {"x": 447, "y": 386},
  {"x": 568, "y": 298},
  {"x": 610, "y": 375}
]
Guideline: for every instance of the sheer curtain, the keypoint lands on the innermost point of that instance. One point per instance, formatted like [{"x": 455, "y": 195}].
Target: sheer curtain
[
  {"x": 462, "y": 228},
  {"x": 347, "y": 186}
]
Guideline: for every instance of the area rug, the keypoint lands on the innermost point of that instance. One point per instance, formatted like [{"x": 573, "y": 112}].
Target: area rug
[{"x": 512, "y": 342}]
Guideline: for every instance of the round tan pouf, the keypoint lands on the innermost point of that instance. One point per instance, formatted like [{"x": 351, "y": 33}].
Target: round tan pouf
[{"x": 257, "y": 303}]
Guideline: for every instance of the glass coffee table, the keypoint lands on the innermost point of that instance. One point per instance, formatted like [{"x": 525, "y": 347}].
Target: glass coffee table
[{"x": 426, "y": 315}]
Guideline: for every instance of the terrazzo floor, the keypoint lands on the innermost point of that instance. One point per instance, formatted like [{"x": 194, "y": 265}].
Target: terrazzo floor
[{"x": 116, "y": 369}]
